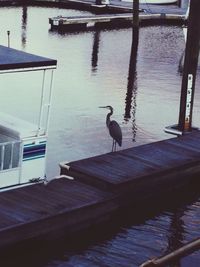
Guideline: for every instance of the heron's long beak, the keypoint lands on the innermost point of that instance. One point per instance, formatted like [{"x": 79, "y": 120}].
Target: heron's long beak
[{"x": 103, "y": 107}]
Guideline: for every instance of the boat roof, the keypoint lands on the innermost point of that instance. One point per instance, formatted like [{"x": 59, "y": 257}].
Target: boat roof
[{"x": 13, "y": 60}]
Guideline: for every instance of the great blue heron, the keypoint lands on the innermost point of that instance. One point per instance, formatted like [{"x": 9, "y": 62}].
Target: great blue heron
[{"x": 114, "y": 129}]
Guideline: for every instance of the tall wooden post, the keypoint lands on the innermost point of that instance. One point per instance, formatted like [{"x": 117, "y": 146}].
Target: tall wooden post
[
  {"x": 190, "y": 67},
  {"x": 8, "y": 33},
  {"x": 135, "y": 14}
]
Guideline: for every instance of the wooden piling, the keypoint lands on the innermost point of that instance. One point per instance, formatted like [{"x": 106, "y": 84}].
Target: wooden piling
[
  {"x": 190, "y": 68},
  {"x": 135, "y": 14}
]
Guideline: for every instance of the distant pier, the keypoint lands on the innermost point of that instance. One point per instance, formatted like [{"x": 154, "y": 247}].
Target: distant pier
[
  {"x": 112, "y": 20},
  {"x": 117, "y": 14}
]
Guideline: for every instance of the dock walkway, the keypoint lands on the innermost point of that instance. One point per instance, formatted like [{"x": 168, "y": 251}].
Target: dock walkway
[
  {"x": 101, "y": 186},
  {"x": 145, "y": 168}
]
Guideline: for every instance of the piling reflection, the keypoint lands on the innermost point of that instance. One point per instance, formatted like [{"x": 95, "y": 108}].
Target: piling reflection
[
  {"x": 130, "y": 101},
  {"x": 95, "y": 50},
  {"x": 24, "y": 26},
  {"x": 180, "y": 65},
  {"x": 176, "y": 236},
  {"x": 179, "y": 2}
]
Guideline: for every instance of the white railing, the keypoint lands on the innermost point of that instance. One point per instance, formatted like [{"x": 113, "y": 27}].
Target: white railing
[{"x": 10, "y": 155}]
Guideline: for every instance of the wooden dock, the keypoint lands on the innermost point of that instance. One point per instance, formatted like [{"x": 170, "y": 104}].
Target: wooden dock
[
  {"x": 112, "y": 20},
  {"x": 102, "y": 185},
  {"x": 142, "y": 171}
]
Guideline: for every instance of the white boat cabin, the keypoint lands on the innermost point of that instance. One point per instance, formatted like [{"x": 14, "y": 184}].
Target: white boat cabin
[{"x": 22, "y": 143}]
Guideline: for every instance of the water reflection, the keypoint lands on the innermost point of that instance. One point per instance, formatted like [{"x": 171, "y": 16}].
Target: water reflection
[
  {"x": 180, "y": 65},
  {"x": 95, "y": 50},
  {"x": 176, "y": 234},
  {"x": 130, "y": 101},
  {"x": 24, "y": 26}
]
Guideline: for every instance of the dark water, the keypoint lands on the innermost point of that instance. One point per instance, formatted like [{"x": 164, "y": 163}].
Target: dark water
[{"x": 94, "y": 70}]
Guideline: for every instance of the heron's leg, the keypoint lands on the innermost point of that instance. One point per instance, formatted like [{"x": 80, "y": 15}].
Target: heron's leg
[{"x": 113, "y": 145}]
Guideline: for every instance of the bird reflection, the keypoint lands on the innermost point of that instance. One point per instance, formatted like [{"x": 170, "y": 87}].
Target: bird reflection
[
  {"x": 114, "y": 129},
  {"x": 130, "y": 101},
  {"x": 95, "y": 50},
  {"x": 24, "y": 25}
]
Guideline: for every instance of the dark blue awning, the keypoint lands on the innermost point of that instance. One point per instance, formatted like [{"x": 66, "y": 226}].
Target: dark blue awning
[{"x": 12, "y": 59}]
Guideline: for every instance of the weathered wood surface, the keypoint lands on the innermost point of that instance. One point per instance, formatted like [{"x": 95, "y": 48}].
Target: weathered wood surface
[
  {"x": 123, "y": 178},
  {"x": 154, "y": 165},
  {"x": 37, "y": 210}
]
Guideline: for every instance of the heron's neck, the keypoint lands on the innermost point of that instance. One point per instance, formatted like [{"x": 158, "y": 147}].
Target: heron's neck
[{"x": 108, "y": 118}]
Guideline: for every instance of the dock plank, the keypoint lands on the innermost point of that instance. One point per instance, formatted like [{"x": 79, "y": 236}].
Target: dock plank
[
  {"x": 45, "y": 198},
  {"x": 161, "y": 153},
  {"x": 6, "y": 220},
  {"x": 191, "y": 142},
  {"x": 112, "y": 167}
]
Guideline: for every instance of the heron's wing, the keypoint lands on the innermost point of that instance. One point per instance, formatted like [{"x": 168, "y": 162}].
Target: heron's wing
[{"x": 115, "y": 132}]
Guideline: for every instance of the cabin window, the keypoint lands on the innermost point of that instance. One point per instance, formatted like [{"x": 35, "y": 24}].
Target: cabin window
[{"x": 10, "y": 155}]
